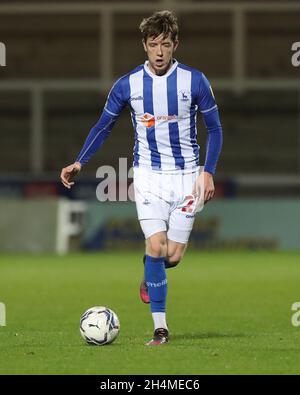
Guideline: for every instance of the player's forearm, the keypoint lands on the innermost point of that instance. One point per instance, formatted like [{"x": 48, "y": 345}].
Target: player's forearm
[
  {"x": 214, "y": 140},
  {"x": 96, "y": 137}
]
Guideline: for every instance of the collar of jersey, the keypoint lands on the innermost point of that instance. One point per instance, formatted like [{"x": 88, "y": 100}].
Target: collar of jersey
[{"x": 170, "y": 71}]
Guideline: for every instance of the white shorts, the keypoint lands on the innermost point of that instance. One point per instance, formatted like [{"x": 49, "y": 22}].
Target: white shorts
[{"x": 164, "y": 201}]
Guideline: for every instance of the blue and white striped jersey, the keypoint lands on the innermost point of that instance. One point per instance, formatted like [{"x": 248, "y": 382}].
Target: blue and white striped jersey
[{"x": 163, "y": 111}]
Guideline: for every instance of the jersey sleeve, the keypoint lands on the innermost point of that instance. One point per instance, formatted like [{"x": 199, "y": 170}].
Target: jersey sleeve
[
  {"x": 214, "y": 140},
  {"x": 208, "y": 107},
  {"x": 96, "y": 137},
  {"x": 205, "y": 101},
  {"x": 117, "y": 98},
  {"x": 115, "y": 103}
]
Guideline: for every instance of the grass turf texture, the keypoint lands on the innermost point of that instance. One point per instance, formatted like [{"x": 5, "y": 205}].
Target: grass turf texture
[{"x": 228, "y": 313}]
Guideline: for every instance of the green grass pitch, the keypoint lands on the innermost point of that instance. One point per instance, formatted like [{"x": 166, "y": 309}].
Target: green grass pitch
[{"x": 228, "y": 313}]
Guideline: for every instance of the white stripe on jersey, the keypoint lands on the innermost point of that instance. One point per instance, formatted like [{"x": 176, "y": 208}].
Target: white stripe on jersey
[
  {"x": 160, "y": 108},
  {"x": 212, "y": 108}
]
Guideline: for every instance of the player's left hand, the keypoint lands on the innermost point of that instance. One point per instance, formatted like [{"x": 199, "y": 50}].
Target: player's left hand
[
  {"x": 204, "y": 187},
  {"x": 209, "y": 187},
  {"x": 67, "y": 174}
]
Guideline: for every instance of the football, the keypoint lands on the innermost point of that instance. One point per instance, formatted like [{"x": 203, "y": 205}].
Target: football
[{"x": 99, "y": 326}]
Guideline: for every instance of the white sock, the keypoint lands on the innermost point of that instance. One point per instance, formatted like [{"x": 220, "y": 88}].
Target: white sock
[{"x": 159, "y": 320}]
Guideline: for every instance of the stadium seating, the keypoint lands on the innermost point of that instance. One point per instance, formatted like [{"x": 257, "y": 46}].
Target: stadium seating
[{"x": 260, "y": 127}]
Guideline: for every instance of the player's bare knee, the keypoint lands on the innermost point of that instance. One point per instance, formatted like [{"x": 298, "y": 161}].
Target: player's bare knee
[
  {"x": 157, "y": 246},
  {"x": 174, "y": 259},
  {"x": 175, "y": 252},
  {"x": 157, "y": 249}
]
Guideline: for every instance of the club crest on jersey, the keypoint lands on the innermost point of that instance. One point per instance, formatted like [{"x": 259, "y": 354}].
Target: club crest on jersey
[
  {"x": 147, "y": 120},
  {"x": 184, "y": 95}
]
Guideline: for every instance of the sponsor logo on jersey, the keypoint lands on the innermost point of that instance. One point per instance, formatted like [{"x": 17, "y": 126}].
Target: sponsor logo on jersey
[
  {"x": 149, "y": 120},
  {"x": 136, "y": 98},
  {"x": 169, "y": 118}
]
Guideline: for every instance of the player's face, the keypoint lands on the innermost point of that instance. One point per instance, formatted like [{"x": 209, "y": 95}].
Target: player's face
[{"x": 160, "y": 52}]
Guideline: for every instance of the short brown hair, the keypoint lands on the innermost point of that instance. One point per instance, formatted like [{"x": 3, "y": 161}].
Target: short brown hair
[{"x": 160, "y": 22}]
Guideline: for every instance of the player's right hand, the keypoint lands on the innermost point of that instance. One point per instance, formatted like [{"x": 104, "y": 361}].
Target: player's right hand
[{"x": 67, "y": 174}]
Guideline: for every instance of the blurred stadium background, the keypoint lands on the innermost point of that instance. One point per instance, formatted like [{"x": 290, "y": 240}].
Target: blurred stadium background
[{"x": 63, "y": 57}]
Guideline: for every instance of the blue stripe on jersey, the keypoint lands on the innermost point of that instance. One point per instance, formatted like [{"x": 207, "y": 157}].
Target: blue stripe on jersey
[
  {"x": 173, "y": 126},
  {"x": 193, "y": 134},
  {"x": 148, "y": 108},
  {"x": 136, "y": 155},
  {"x": 136, "y": 144},
  {"x": 193, "y": 117}
]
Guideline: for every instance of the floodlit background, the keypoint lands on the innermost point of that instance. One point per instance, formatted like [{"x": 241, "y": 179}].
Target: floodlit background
[{"x": 61, "y": 60}]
